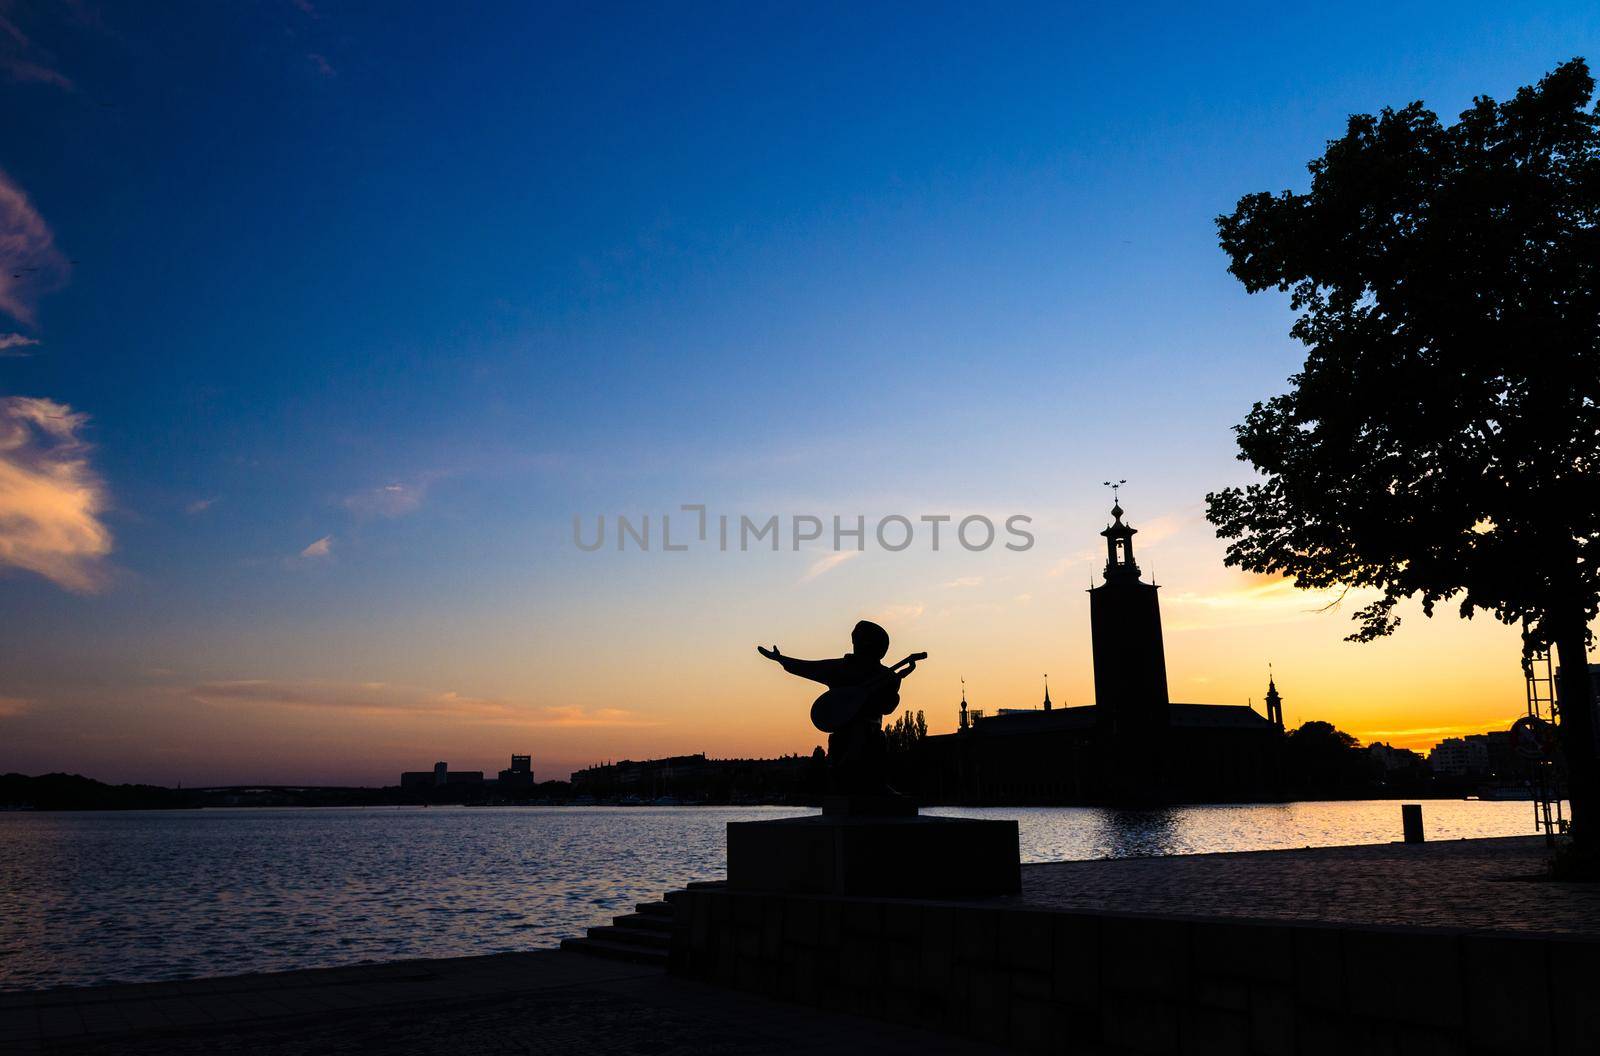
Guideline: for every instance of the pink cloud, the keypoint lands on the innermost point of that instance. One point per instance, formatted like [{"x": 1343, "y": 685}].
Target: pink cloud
[
  {"x": 23, "y": 61},
  {"x": 11, "y": 345},
  {"x": 389, "y": 701},
  {"x": 30, "y": 264},
  {"x": 51, "y": 499}
]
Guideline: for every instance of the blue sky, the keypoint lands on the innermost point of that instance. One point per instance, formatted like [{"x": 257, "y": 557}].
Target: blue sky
[{"x": 423, "y": 283}]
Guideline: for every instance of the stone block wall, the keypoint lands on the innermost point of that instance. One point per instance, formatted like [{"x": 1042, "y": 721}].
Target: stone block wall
[{"x": 1052, "y": 981}]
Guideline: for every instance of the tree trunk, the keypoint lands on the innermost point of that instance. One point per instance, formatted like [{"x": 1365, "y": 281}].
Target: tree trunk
[{"x": 1578, "y": 739}]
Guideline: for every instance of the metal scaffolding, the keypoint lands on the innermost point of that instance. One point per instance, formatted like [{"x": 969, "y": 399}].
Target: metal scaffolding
[{"x": 1544, "y": 710}]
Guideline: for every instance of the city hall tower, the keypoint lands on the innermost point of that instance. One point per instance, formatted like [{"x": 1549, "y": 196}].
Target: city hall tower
[{"x": 1130, "y": 665}]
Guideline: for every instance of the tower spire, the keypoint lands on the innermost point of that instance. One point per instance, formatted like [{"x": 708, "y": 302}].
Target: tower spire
[
  {"x": 1047, "y": 704},
  {"x": 963, "y": 723},
  {"x": 1120, "y": 564},
  {"x": 1274, "y": 700}
]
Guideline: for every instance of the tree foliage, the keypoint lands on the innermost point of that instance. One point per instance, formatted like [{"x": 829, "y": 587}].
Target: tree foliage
[
  {"x": 906, "y": 732},
  {"x": 1442, "y": 439},
  {"x": 1323, "y": 761}
]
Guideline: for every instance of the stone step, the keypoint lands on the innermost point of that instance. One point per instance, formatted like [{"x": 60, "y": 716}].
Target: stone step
[
  {"x": 644, "y": 936},
  {"x": 656, "y": 940},
  {"x": 616, "y": 951},
  {"x": 645, "y": 922}
]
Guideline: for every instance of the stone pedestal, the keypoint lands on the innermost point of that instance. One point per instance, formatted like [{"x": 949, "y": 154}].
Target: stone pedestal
[{"x": 903, "y": 856}]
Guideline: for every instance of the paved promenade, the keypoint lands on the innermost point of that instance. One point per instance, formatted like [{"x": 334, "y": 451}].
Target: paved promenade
[
  {"x": 544, "y": 1003},
  {"x": 1459, "y": 884}
]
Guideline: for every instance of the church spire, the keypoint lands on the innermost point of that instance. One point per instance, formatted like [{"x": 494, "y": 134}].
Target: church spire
[
  {"x": 1274, "y": 701},
  {"x": 1047, "y": 704},
  {"x": 963, "y": 723}
]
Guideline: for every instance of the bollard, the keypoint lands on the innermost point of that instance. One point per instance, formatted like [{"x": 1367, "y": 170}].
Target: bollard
[{"x": 1411, "y": 819}]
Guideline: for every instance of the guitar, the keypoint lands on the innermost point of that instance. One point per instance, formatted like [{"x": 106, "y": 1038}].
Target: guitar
[{"x": 838, "y": 707}]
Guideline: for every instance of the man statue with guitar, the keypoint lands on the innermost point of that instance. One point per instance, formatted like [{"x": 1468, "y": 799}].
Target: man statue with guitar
[{"x": 861, "y": 691}]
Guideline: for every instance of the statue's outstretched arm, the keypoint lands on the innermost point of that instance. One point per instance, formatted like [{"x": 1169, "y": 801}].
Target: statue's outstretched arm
[
  {"x": 823, "y": 671},
  {"x": 816, "y": 670}
]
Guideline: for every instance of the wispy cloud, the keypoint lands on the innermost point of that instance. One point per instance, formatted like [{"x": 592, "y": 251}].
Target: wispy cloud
[
  {"x": 11, "y": 345},
  {"x": 30, "y": 264},
  {"x": 828, "y": 563},
  {"x": 1253, "y": 592},
  {"x": 572, "y": 715},
  {"x": 199, "y": 506},
  {"x": 321, "y": 64},
  {"x": 388, "y": 500},
  {"x": 25, "y": 62},
  {"x": 386, "y": 700},
  {"x": 321, "y": 548},
  {"x": 11, "y": 707},
  {"x": 51, "y": 499},
  {"x": 1257, "y": 598},
  {"x": 898, "y": 613},
  {"x": 964, "y": 581}
]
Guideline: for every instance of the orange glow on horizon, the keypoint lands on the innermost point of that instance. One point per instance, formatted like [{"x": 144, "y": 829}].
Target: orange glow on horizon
[{"x": 656, "y": 666}]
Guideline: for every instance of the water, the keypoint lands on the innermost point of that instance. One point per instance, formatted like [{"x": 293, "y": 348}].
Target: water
[{"x": 100, "y": 897}]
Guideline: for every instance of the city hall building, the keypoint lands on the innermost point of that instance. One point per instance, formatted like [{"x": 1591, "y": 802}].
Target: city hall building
[{"x": 1133, "y": 746}]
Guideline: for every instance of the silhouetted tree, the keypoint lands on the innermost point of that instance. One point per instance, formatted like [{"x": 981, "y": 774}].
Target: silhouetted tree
[
  {"x": 906, "y": 732},
  {"x": 1325, "y": 761},
  {"x": 75, "y": 792},
  {"x": 1442, "y": 440},
  {"x": 904, "y": 735}
]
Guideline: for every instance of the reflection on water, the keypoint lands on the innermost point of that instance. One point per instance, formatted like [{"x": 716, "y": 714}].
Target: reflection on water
[
  {"x": 1053, "y": 834},
  {"x": 95, "y": 897}
]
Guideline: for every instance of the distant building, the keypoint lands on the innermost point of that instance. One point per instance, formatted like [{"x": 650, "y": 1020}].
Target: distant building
[
  {"x": 1460, "y": 756},
  {"x": 439, "y": 776},
  {"x": 1133, "y": 745},
  {"x": 1391, "y": 759},
  {"x": 1478, "y": 755},
  {"x": 520, "y": 773}
]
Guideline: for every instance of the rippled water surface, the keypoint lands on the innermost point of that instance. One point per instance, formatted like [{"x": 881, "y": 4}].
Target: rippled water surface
[{"x": 96, "y": 897}]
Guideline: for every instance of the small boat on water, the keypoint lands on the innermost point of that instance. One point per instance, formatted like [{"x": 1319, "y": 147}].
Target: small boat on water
[{"x": 1504, "y": 792}]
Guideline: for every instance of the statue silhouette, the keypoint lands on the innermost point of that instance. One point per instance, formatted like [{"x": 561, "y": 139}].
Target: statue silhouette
[{"x": 861, "y": 691}]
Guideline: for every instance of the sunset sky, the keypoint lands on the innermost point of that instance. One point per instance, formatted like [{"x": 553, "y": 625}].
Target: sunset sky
[{"x": 320, "y": 322}]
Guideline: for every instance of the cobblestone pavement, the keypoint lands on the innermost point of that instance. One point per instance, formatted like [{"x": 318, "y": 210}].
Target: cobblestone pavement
[
  {"x": 1480, "y": 884},
  {"x": 545, "y": 1003}
]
